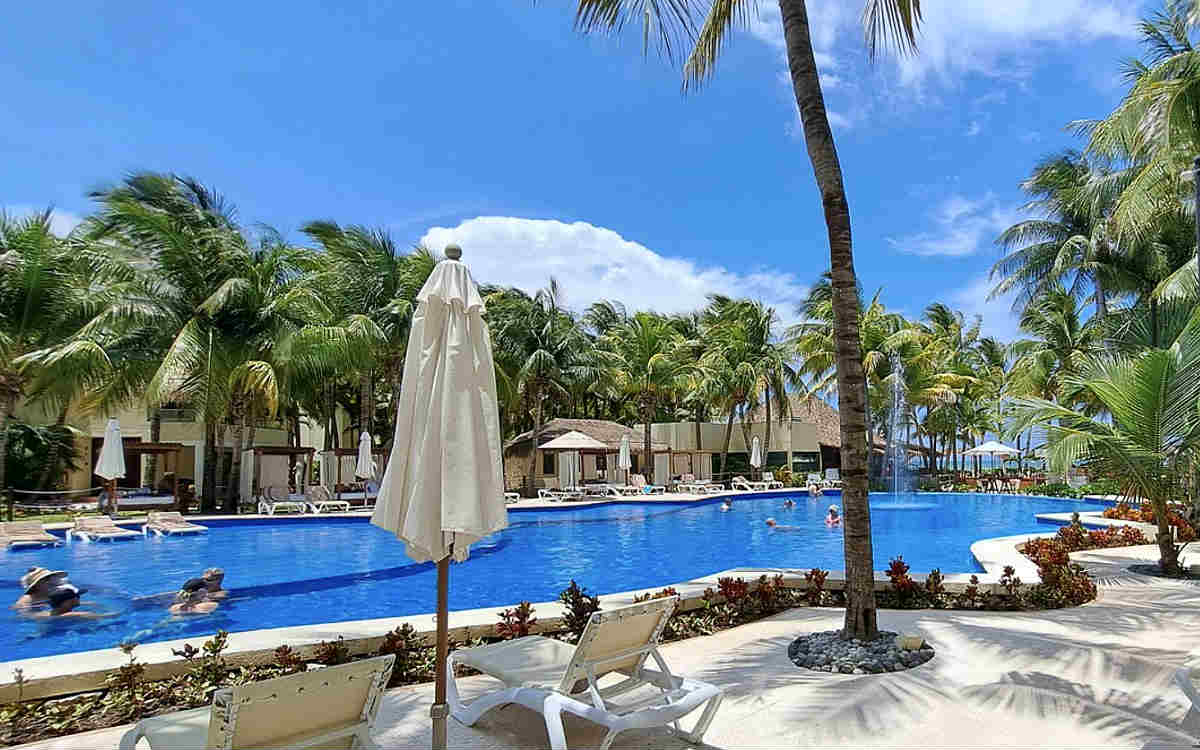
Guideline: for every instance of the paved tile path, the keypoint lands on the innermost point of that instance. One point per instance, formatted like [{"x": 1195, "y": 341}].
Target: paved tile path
[{"x": 1093, "y": 676}]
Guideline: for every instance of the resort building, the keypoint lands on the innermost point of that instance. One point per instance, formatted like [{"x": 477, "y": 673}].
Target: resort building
[{"x": 807, "y": 441}]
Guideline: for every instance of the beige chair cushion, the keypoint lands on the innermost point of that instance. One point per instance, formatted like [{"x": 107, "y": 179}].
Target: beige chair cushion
[
  {"x": 532, "y": 661},
  {"x": 185, "y": 729}
]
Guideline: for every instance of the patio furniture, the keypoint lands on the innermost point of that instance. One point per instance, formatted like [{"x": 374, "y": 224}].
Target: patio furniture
[
  {"x": 99, "y": 529},
  {"x": 320, "y": 501},
  {"x": 741, "y": 483},
  {"x": 277, "y": 500},
  {"x": 169, "y": 523},
  {"x": 553, "y": 496},
  {"x": 639, "y": 482},
  {"x": 550, "y": 676},
  {"x": 512, "y": 497},
  {"x": 331, "y": 707},
  {"x": 768, "y": 478},
  {"x": 17, "y": 534}
]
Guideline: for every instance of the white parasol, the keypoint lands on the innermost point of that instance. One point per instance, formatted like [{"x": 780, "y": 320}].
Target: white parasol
[
  {"x": 756, "y": 453},
  {"x": 364, "y": 468},
  {"x": 110, "y": 466},
  {"x": 623, "y": 459},
  {"x": 444, "y": 488}
]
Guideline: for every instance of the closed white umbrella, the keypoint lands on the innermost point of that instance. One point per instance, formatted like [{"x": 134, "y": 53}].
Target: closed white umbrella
[
  {"x": 443, "y": 488},
  {"x": 364, "y": 468},
  {"x": 624, "y": 461},
  {"x": 111, "y": 464},
  {"x": 756, "y": 453}
]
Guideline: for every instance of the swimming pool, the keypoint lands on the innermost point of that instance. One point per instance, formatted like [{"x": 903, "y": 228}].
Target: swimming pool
[{"x": 313, "y": 570}]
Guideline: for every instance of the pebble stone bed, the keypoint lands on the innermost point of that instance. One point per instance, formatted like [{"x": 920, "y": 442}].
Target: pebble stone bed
[{"x": 827, "y": 652}]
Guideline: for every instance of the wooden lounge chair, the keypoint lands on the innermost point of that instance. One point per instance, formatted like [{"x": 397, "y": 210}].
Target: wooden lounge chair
[
  {"x": 276, "y": 499},
  {"x": 15, "y": 534},
  {"x": 99, "y": 529},
  {"x": 169, "y": 523},
  {"x": 772, "y": 483},
  {"x": 550, "y": 676},
  {"x": 332, "y": 707},
  {"x": 639, "y": 482},
  {"x": 320, "y": 501}
]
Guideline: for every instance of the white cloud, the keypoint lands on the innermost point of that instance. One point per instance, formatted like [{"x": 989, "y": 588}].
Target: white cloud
[
  {"x": 974, "y": 129},
  {"x": 961, "y": 226},
  {"x": 593, "y": 263},
  {"x": 998, "y": 318},
  {"x": 61, "y": 222}
]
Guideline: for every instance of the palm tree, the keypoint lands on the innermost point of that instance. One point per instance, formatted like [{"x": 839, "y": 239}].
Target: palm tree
[
  {"x": 886, "y": 21},
  {"x": 1060, "y": 344},
  {"x": 647, "y": 366},
  {"x": 1070, "y": 240},
  {"x": 1151, "y": 435},
  {"x": 365, "y": 274},
  {"x": 39, "y": 295},
  {"x": 542, "y": 352}
]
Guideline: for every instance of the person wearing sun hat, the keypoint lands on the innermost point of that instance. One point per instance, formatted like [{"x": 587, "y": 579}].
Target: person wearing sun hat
[{"x": 37, "y": 583}]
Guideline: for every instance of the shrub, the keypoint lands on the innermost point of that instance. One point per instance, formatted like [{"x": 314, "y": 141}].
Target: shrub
[
  {"x": 332, "y": 653},
  {"x": 969, "y": 598},
  {"x": 1101, "y": 487},
  {"x": 126, "y": 680},
  {"x": 1011, "y": 584},
  {"x": 663, "y": 594},
  {"x": 901, "y": 582},
  {"x": 580, "y": 607},
  {"x": 406, "y": 645},
  {"x": 1184, "y": 531},
  {"x": 770, "y": 592},
  {"x": 289, "y": 660},
  {"x": 733, "y": 590},
  {"x": 1053, "y": 489},
  {"x": 517, "y": 622},
  {"x": 935, "y": 588},
  {"x": 1062, "y": 586},
  {"x": 815, "y": 579}
]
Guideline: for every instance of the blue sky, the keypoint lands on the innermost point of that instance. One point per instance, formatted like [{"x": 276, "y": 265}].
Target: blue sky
[{"x": 543, "y": 152}]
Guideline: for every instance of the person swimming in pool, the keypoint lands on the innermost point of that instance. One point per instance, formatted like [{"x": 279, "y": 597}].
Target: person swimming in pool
[
  {"x": 789, "y": 503},
  {"x": 726, "y": 505},
  {"x": 780, "y": 527},
  {"x": 53, "y": 588},
  {"x": 832, "y": 518},
  {"x": 814, "y": 490},
  {"x": 192, "y": 601},
  {"x": 210, "y": 582}
]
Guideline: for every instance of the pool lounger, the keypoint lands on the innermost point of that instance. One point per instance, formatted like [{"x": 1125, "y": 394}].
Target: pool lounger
[
  {"x": 19, "y": 534},
  {"x": 320, "y": 501},
  {"x": 165, "y": 523},
  {"x": 99, "y": 529},
  {"x": 550, "y": 676},
  {"x": 741, "y": 483},
  {"x": 278, "y": 500},
  {"x": 332, "y": 707}
]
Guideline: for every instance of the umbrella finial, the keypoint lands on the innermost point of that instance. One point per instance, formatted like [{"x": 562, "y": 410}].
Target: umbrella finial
[{"x": 453, "y": 252}]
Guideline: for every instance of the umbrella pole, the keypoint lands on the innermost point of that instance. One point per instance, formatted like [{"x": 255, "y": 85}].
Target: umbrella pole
[{"x": 440, "y": 709}]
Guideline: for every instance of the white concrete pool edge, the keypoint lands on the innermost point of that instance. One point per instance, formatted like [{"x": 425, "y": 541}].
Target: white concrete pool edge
[{"x": 61, "y": 674}]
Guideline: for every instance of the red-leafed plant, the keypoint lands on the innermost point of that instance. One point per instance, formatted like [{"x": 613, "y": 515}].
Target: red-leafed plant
[
  {"x": 815, "y": 579},
  {"x": 516, "y": 622}
]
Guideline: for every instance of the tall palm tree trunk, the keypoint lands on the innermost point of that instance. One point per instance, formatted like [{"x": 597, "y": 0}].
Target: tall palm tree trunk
[
  {"x": 155, "y": 436},
  {"x": 860, "y": 619},
  {"x": 233, "y": 487},
  {"x": 222, "y": 465},
  {"x": 767, "y": 437},
  {"x": 7, "y": 401},
  {"x": 647, "y": 416},
  {"x": 533, "y": 447},
  {"x": 208, "y": 497},
  {"x": 728, "y": 436},
  {"x": 366, "y": 403}
]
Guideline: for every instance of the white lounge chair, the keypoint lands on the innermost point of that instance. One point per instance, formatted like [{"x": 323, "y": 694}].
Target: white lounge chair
[
  {"x": 741, "y": 483},
  {"x": 276, "y": 499},
  {"x": 550, "y": 676},
  {"x": 169, "y": 523},
  {"x": 99, "y": 529},
  {"x": 320, "y": 501},
  {"x": 332, "y": 707},
  {"x": 772, "y": 483},
  {"x": 639, "y": 482},
  {"x": 512, "y": 497},
  {"x": 17, "y": 534},
  {"x": 553, "y": 496}
]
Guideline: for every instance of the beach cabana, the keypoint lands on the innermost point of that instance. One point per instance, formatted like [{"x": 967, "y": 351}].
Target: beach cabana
[
  {"x": 571, "y": 445},
  {"x": 270, "y": 466},
  {"x": 157, "y": 497}
]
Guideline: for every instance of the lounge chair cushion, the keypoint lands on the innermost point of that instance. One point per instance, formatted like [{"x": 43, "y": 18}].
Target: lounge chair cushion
[
  {"x": 532, "y": 661},
  {"x": 185, "y": 729}
]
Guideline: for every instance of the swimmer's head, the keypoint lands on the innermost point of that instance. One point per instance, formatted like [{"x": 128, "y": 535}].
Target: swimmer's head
[
  {"x": 833, "y": 510},
  {"x": 771, "y": 522}
]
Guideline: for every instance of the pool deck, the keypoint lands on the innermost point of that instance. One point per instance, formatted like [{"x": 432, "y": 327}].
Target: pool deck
[{"x": 1091, "y": 676}]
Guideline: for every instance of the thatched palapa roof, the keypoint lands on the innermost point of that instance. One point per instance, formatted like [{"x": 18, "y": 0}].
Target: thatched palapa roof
[{"x": 600, "y": 430}]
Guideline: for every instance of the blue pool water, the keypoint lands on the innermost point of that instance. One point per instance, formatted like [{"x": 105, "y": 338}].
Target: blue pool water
[{"x": 294, "y": 572}]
